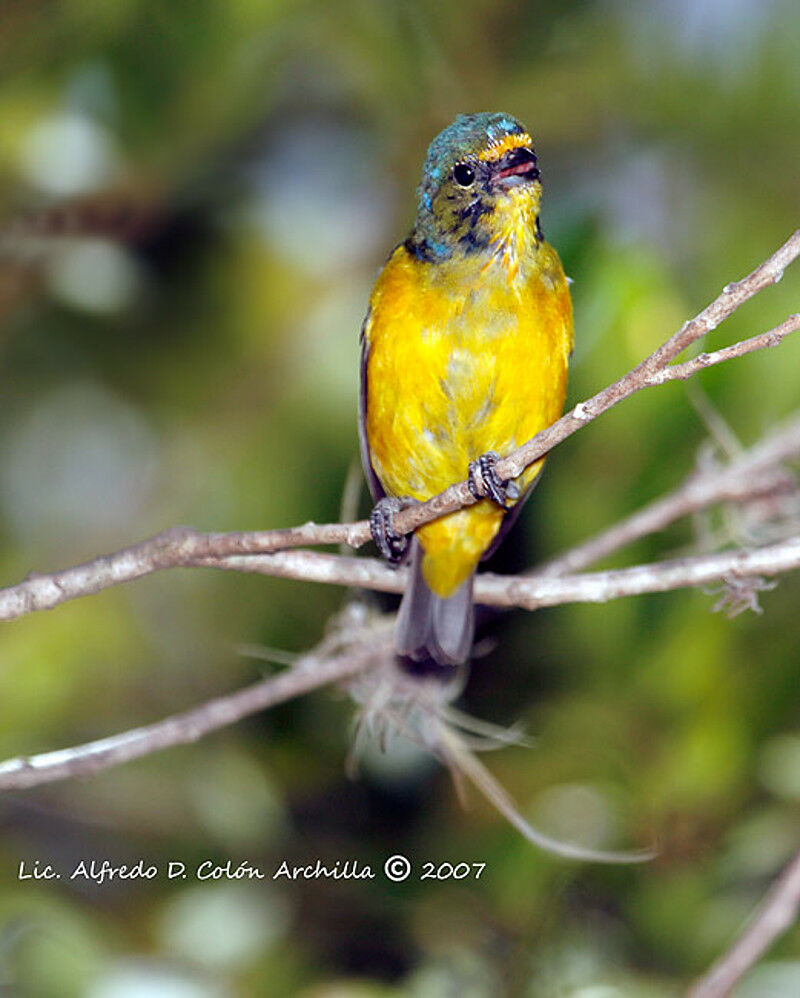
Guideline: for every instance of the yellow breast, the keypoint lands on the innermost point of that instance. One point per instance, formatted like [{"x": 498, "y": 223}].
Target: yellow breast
[{"x": 464, "y": 356}]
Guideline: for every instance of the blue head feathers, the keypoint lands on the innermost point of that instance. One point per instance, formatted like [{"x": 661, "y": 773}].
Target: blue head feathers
[{"x": 469, "y": 169}]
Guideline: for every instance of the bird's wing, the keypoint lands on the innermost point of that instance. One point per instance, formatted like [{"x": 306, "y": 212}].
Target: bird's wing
[{"x": 366, "y": 462}]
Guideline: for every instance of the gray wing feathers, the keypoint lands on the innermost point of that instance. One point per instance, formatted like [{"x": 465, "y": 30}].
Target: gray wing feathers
[{"x": 372, "y": 479}]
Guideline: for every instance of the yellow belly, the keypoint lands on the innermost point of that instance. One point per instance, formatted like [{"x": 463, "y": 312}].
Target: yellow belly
[{"x": 463, "y": 357}]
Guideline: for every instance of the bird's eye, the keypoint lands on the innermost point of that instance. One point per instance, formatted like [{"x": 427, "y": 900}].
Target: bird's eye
[{"x": 463, "y": 174}]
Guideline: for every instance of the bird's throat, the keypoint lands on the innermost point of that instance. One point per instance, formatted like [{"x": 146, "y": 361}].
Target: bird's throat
[
  {"x": 503, "y": 227},
  {"x": 516, "y": 233}
]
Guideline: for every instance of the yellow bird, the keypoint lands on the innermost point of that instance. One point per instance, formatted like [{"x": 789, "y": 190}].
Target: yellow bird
[{"x": 464, "y": 356}]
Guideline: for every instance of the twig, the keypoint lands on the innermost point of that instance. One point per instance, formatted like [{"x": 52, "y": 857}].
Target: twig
[
  {"x": 747, "y": 477},
  {"x": 771, "y": 338},
  {"x": 754, "y": 474},
  {"x": 338, "y": 657},
  {"x": 775, "y": 914}
]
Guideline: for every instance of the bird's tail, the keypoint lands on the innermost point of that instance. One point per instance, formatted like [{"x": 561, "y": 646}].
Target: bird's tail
[{"x": 433, "y": 631}]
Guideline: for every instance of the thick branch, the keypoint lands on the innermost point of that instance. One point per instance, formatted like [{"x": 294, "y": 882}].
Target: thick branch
[{"x": 776, "y": 913}]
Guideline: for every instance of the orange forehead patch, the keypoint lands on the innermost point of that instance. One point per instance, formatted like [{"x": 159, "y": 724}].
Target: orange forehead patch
[{"x": 501, "y": 146}]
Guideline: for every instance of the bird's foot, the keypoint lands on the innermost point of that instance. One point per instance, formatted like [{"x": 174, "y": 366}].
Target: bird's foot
[
  {"x": 485, "y": 483},
  {"x": 392, "y": 546}
]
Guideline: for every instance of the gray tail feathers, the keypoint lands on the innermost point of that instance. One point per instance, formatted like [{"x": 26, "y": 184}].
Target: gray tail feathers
[{"x": 430, "y": 628}]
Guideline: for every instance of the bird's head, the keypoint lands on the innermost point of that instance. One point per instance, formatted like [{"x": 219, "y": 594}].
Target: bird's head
[{"x": 480, "y": 185}]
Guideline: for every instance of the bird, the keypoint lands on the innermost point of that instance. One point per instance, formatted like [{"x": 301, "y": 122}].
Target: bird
[{"x": 464, "y": 355}]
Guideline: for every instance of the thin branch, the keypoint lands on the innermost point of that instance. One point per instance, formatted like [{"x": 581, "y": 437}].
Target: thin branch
[
  {"x": 771, "y": 338},
  {"x": 173, "y": 548},
  {"x": 754, "y": 474},
  {"x": 349, "y": 651},
  {"x": 316, "y": 566},
  {"x": 776, "y": 913},
  {"x": 534, "y": 591},
  {"x": 531, "y": 593},
  {"x": 527, "y": 592},
  {"x": 338, "y": 657},
  {"x": 29, "y": 235}
]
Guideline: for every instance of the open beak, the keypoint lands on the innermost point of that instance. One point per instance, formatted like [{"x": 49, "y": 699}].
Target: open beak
[{"x": 516, "y": 167}]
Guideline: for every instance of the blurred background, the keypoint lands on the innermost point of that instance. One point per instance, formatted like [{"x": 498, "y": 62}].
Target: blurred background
[{"x": 195, "y": 198}]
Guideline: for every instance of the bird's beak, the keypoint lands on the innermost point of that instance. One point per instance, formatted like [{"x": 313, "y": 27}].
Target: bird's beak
[{"x": 515, "y": 168}]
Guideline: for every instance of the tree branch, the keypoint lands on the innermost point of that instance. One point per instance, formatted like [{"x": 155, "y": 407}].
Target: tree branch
[
  {"x": 528, "y": 592},
  {"x": 771, "y": 338},
  {"x": 353, "y": 647},
  {"x": 754, "y": 474},
  {"x": 357, "y": 647},
  {"x": 775, "y": 914},
  {"x": 177, "y": 547},
  {"x": 173, "y": 548},
  {"x": 533, "y": 591}
]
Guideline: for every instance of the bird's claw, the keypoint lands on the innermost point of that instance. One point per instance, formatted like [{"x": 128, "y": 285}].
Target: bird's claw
[
  {"x": 485, "y": 483},
  {"x": 392, "y": 546}
]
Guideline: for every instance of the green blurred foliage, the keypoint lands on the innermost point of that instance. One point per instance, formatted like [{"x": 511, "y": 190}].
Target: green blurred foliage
[{"x": 202, "y": 369}]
